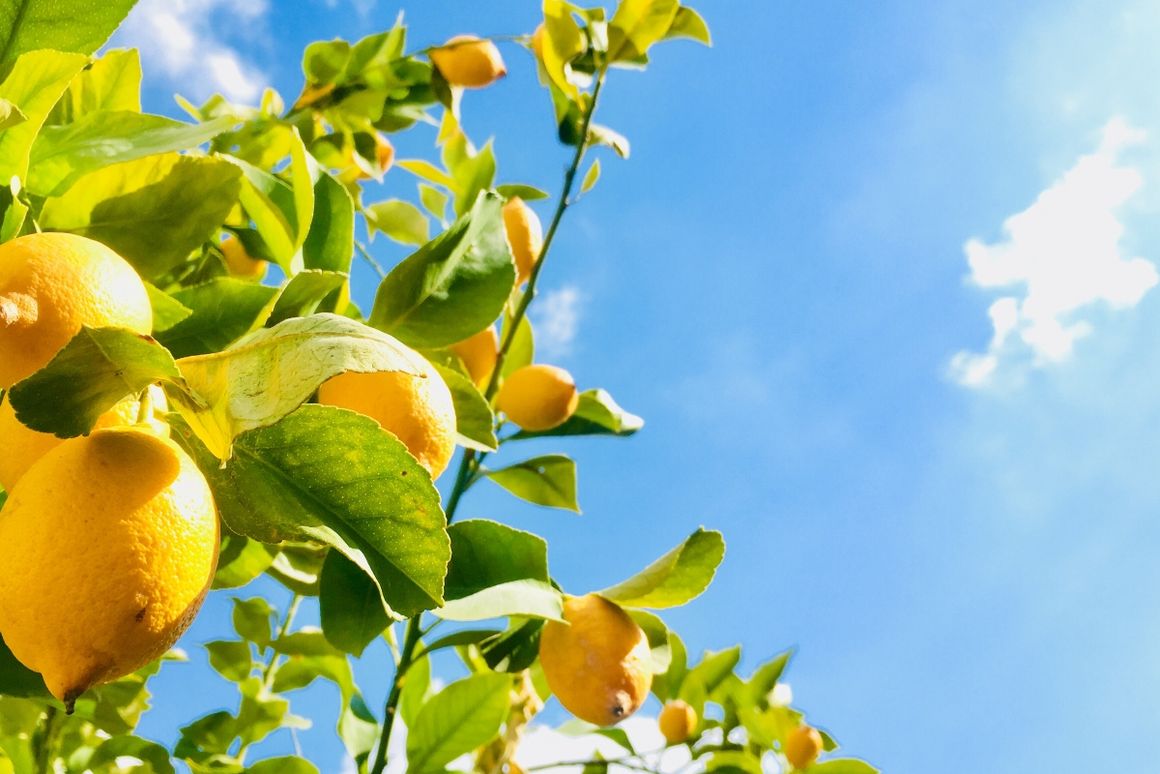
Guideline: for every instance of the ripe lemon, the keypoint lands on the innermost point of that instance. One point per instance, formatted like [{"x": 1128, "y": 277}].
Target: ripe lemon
[
  {"x": 538, "y": 397},
  {"x": 384, "y": 153},
  {"x": 677, "y": 721},
  {"x": 22, "y": 446},
  {"x": 239, "y": 263},
  {"x": 51, "y": 285},
  {"x": 803, "y": 745},
  {"x": 108, "y": 545},
  {"x": 525, "y": 235},
  {"x": 479, "y": 353},
  {"x": 418, "y": 410},
  {"x": 467, "y": 61},
  {"x": 597, "y": 663}
]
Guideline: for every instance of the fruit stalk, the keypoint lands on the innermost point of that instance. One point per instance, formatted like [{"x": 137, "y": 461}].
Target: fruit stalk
[{"x": 469, "y": 460}]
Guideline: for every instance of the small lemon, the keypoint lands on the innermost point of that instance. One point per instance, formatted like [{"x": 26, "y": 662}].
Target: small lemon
[
  {"x": 108, "y": 543},
  {"x": 538, "y": 397},
  {"x": 479, "y": 353},
  {"x": 597, "y": 662},
  {"x": 678, "y": 721},
  {"x": 22, "y": 446},
  {"x": 50, "y": 285},
  {"x": 467, "y": 61},
  {"x": 418, "y": 410},
  {"x": 239, "y": 263},
  {"x": 384, "y": 153},
  {"x": 803, "y": 745},
  {"x": 525, "y": 235}
]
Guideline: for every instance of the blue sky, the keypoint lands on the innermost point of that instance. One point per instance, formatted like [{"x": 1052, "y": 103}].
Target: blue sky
[{"x": 778, "y": 282}]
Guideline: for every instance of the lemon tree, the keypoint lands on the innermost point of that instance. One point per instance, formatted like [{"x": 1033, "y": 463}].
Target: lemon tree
[{"x": 193, "y": 398}]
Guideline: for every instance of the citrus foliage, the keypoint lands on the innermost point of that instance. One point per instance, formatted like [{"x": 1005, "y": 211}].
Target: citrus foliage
[{"x": 243, "y": 222}]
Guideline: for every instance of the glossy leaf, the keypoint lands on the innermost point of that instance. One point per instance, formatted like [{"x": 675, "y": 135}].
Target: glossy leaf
[
  {"x": 351, "y": 607},
  {"x": 167, "y": 310},
  {"x": 65, "y": 25},
  {"x": 687, "y": 23},
  {"x": 400, "y": 220},
  {"x": 222, "y": 310},
  {"x": 519, "y": 597},
  {"x": 304, "y": 292},
  {"x": 463, "y": 716},
  {"x": 549, "y": 480},
  {"x": 474, "y": 421},
  {"x": 17, "y": 679},
  {"x": 842, "y": 766},
  {"x": 637, "y": 24},
  {"x": 329, "y": 244},
  {"x": 677, "y": 577},
  {"x": 486, "y": 553},
  {"x": 596, "y": 414}
]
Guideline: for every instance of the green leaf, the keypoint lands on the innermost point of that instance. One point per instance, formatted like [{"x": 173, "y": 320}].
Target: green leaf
[
  {"x": 222, "y": 310},
  {"x": 636, "y": 25},
  {"x": 454, "y": 286},
  {"x": 596, "y": 414},
  {"x": 254, "y": 619},
  {"x": 713, "y": 669},
  {"x": 522, "y": 351},
  {"x": 416, "y": 690},
  {"x": 400, "y": 220},
  {"x": 112, "y": 82},
  {"x": 287, "y": 764},
  {"x": 461, "y": 638},
  {"x": 231, "y": 659},
  {"x": 688, "y": 24},
  {"x": 563, "y": 41},
  {"x": 241, "y": 560},
  {"x": 97, "y": 369},
  {"x": 351, "y": 608},
  {"x": 590, "y": 177},
  {"x": 609, "y": 138},
  {"x": 10, "y": 115},
  {"x": 153, "y": 211},
  {"x": 304, "y": 352},
  {"x": 167, "y": 310},
  {"x": 677, "y": 577},
  {"x": 526, "y": 192},
  {"x": 34, "y": 85},
  {"x": 667, "y": 686},
  {"x": 660, "y": 649},
  {"x": 329, "y": 244},
  {"x": 734, "y": 762},
  {"x": 154, "y": 756},
  {"x": 304, "y": 292},
  {"x": 262, "y": 713},
  {"x": 577, "y": 727},
  {"x": 487, "y": 553},
  {"x": 17, "y": 679},
  {"x": 842, "y": 766},
  {"x": 427, "y": 171},
  {"x": 324, "y": 60},
  {"x": 526, "y": 597},
  {"x": 367, "y": 497},
  {"x": 549, "y": 480},
  {"x": 463, "y": 716},
  {"x": 513, "y": 650},
  {"x": 65, "y": 25},
  {"x": 298, "y": 567},
  {"x": 764, "y": 679},
  {"x": 473, "y": 418},
  {"x": 434, "y": 201},
  {"x": 62, "y": 154},
  {"x": 269, "y": 202}
]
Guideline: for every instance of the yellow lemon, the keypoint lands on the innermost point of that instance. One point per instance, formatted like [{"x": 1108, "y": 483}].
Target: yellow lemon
[
  {"x": 479, "y": 353},
  {"x": 538, "y": 397},
  {"x": 384, "y": 153},
  {"x": 22, "y": 446},
  {"x": 108, "y": 543},
  {"x": 678, "y": 721},
  {"x": 467, "y": 61},
  {"x": 803, "y": 745},
  {"x": 239, "y": 263},
  {"x": 52, "y": 284},
  {"x": 418, "y": 410},
  {"x": 597, "y": 662},
  {"x": 525, "y": 235}
]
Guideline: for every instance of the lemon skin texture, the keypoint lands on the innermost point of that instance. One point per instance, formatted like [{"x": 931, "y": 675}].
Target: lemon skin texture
[
  {"x": 467, "y": 61},
  {"x": 677, "y": 721},
  {"x": 109, "y": 544},
  {"x": 803, "y": 745},
  {"x": 22, "y": 446},
  {"x": 50, "y": 285},
  {"x": 239, "y": 263},
  {"x": 479, "y": 354},
  {"x": 418, "y": 410},
  {"x": 597, "y": 664},
  {"x": 538, "y": 397},
  {"x": 525, "y": 236}
]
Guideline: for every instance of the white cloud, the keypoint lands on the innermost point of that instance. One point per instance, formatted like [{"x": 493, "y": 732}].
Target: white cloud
[
  {"x": 557, "y": 319},
  {"x": 542, "y": 746},
  {"x": 178, "y": 37},
  {"x": 1061, "y": 256}
]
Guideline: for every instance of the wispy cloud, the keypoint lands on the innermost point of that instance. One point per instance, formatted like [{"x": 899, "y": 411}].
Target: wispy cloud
[
  {"x": 1061, "y": 257},
  {"x": 178, "y": 38},
  {"x": 557, "y": 320}
]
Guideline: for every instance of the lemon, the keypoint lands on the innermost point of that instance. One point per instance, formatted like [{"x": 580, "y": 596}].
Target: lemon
[
  {"x": 467, "y": 61},
  {"x": 803, "y": 745},
  {"x": 525, "y": 235},
  {"x": 538, "y": 397},
  {"x": 51, "y": 285},
  {"x": 108, "y": 543},
  {"x": 677, "y": 721},
  {"x": 239, "y": 263},
  {"x": 22, "y": 446},
  {"x": 418, "y": 410},
  {"x": 479, "y": 353},
  {"x": 384, "y": 153},
  {"x": 597, "y": 662}
]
